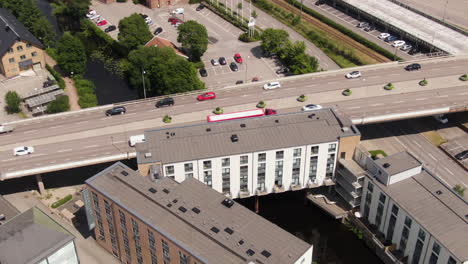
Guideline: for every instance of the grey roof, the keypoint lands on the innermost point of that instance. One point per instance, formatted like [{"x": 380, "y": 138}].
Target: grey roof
[
  {"x": 443, "y": 215},
  {"x": 399, "y": 162},
  {"x": 207, "y": 140},
  {"x": 193, "y": 231},
  {"x": 19, "y": 238},
  {"x": 16, "y": 31},
  {"x": 7, "y": 209}
]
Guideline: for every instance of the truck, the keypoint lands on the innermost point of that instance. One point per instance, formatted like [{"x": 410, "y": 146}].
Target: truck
[{"x": 6, "y": 129}]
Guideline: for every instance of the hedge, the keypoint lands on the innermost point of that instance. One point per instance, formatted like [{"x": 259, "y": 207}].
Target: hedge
[
  {"x": 57, "y": 76},
  {"x": 60, "y": 104},
  {"x": 62, "y": 201},
  {"x": 86, "y": 92}
]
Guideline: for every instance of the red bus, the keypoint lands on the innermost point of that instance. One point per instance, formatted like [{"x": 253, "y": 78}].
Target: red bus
[{"x": 239, "y": 115}]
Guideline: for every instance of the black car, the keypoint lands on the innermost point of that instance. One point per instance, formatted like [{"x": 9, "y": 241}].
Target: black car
[
  {"x": 200, "y": 7},
  {"x": 233, "y": 66},
  {"x": 462, "y": 155},
  {"x": 165, "y": 102},
  {"x": 240, "y": 82},
  {"x": 413, "y": 51},
  {"x": 203, "y": 72},
  {"x": 110, "y": 28},
  {"x": 413, "y": 67},
  {"x": 158, "y": 31},
  {"x": 222, "y": 61},
  {"x": 48, "y": 83},
  {"x": 118, "y": 110}
]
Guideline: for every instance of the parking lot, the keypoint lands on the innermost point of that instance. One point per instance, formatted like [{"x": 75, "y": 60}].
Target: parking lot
[
  {"x": 456, "y": 146},
  {"x": 223, "y": 42}
]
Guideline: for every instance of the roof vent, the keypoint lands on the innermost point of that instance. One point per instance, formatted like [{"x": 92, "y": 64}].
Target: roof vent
[
  {"x": 168, "y": 137},
  {"x": 311, "y": 116},
  {"x": 166, "y": 191},
  {"x": 208, "y": 129},
  {"x": 227, "y": 202},
  {"x": 215, "y": 229},
  {"x": 229, "y": 230},
  {"x": 182, "y": 209},
  {"x": 439, "y": 192},
  {"x": 172, "y": 134},
  {"x": 148, "y": 155},
  {"x": 196, "y": 210},
  {"x": 2, "y": 217},
  {"x": 386, "y": 165},
  {"x": 276, "y": 121},
  {"x": 345, "y": 129},
  {"x": 241, "y": 242},
  {"x": 167, "y": 132},
  {"x": 124, "y": 173},
  {"x": 242, "y": 125},
  {"x": 250, "y": 252},
  {"x": 169, "y": 205},
  {"x": 266, "y": 254},
  {"x": 234, "y": 138},
  {"x": 152, "y": 190},
  {"x": 175, "y": 201}
]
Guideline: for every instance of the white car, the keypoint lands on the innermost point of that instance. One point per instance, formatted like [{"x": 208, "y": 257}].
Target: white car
[
  {"x": 353, "y": 74},
  {"x": 96, "y": 16},
  {"x": 148, "y": 21},
  {"x": 406, "y": 47},
  {"x": 398, "y": 43},
  {"x": 271, "y": 85},
  {"x": 215, "y": 62},
  {"x": 20, "y": 151},
  {"x": 311, "y": 107},
  {"x": 133, "y": 140},
  {"x": 178, "y": 11},
  {"x": 91, "y": 13},
  {"x": 384, "y": 35}
]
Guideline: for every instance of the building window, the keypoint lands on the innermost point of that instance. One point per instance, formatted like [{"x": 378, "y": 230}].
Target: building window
[
  {"x": 188, "y": 167},
  {"x": 28, "y": 45},
  {"x": 313, "y": 168},
  {"x": 207, "y": 177},
  {"x": 395, "y": 210},
  {"x": 207, "y": 164},
  {"x": 382, "y": 198},
  {"x": 405, "y": 234},
  {"x": 183, "y": 258},
  {"x": 11, "y": 60},
  {"x": 391, "y": 227},
  {"x": 226, "y": 176},
  {"x": 378, "y": 217},
  {"x": 279, "y": 173},
  {"x": 296, "y": 170},
  {"x": 244, "y": 159},
  {"x": 169, "y": 170},
  {"x": 370, "y": 187},
  {"x": 244, "y": 178},
  {"x": 188, "y": 175},
  {"x": 19, "y": 48},
  {"x": 261, "y": 157},
  {"x": 165, "y": 248},
  {"x": 261, "y": 176},
  {"x": 279, "y": 154},
  {"x": 421, "y": 235},
  {"x": 332, "y": 147},
  {"x": 297, "y": 153},
  {"x": 435, "y": 253},
  {"x": 417, "y": 252},
  {"x": 330, "y": 165},
  {"x": 451, "y": 260},
  {"x": 22, "y": 57},
  {"x": 314, "y": 150},
  {"x": 10, "y": 50},
  {"x": 225, "y": 162},
  {"x": 34, "y": 54}
]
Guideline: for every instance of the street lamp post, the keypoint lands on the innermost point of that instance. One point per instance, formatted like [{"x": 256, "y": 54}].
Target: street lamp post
[
  {"x": 143, "y": 78},
  {"x": 246, "y": 69}
]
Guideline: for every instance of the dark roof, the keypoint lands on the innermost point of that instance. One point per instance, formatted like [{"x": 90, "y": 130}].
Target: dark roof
[
  {"x": 194, "y": 217},
  {"x": 7, "y": 210},
  {"x": 20, "y": 237},
  {"x": 11, "y": 30},
  {"x": 208, "y": 140}
]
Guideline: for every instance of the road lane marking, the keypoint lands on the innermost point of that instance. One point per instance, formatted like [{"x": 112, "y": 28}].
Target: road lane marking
[
  {"x": 54, "y": 127},
  {"x": 8, "y": 159},
  {"x": 53, "y": 161},
  {"x": 398, "y": 102},
  {"x": 376, "y": 104},
  {"x": 102, "y": 118},
  {"x": 430, "y": 155},
  {"x": 421, "y": 99},
  {"x": 131, "y": 114},
  {"x": 64, "y": 150},
  {"x": 91, "y": 146},
  {"x": 354, "y": 107},
  {"x": 30, "y": 131},
  {"x": 417, "y": 144},
  {"x": 153, "y": 110},
  {"x": 442, "y": 96},
  {"x": 82, "y": 122},
  {"x": 463, "y": 93},
  {"x": 449, "y": 171},
  {"x": 120, "y": 141}
]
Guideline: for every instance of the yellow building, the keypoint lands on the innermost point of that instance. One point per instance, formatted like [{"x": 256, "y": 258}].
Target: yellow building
[{"x": 19, "y": 49}]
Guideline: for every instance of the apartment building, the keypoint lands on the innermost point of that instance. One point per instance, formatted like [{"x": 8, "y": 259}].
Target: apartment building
[
  {"x": 423, "y": 218},
  {"x": 19, "y": 49},
  {"x": 253, "y": 156},
  {"x": 145, "y": 220},
  {"x": 155, "y": 3}
]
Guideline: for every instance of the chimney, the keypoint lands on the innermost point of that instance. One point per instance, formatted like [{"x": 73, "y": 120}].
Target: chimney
[{"x": 7, "y": 28}]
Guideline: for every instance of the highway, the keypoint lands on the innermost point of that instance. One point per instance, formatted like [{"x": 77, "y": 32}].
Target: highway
[{"x": 89, "y": 137}]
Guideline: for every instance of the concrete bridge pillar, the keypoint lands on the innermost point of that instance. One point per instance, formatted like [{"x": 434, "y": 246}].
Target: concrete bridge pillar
[
  {"x": 257, "y": 204},
  {"x": 40, "y": 184}
]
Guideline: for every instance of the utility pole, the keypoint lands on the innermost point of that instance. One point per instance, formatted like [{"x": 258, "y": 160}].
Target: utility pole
[
  {"x": 300, "y": 15},
  {"x": 143, "y": 78}
]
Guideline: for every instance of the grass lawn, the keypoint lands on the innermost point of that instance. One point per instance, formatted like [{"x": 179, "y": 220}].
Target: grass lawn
[{"x": 377, "y": 152}]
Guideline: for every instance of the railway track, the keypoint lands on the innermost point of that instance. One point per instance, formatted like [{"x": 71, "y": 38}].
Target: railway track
[{"x": 333, "y": 32}]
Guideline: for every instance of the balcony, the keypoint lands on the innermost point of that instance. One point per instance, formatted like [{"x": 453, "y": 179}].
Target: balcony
[
  {"x": 261, "y": 191},
  {"x": 244, "y": 194},
  {"x": 328, "y": 181},
  {"x": 227, "y": 194},
  {"x": 295, "y": 187},
  {"x": 278, "y": 188}
]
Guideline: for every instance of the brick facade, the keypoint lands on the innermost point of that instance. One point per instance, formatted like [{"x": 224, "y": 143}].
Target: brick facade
[{"x": 20, "y": 51}]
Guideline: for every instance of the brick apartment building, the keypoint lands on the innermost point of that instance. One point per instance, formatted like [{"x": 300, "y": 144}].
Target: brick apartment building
[
  {"x": 145, "y": 220},
  {"x": 154, "y": 3}
]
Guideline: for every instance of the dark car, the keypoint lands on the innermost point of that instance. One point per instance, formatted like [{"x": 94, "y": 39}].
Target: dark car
[
  {"x": 462, "y": 155},
  {"x": 233, "y": 66},
  {"x": 222, "y": 61},
  {"x": 48, "y": 83},
  {"x": 413, "y": 67},
  {"x": 413, "y": 51},
  {"x": 143, "y": 16},
  {"x": 239, "y": 82},
  {"x": 165, "y": 102},
  {"x": 110, "y": 28},
  {"x": 158, "y": 31},
  {"x": 270, "y": 111},
  {"x": 200, "y": 7},
  {"x": 118, "y": 110},
  {"x": 369, "y": 28},
  {"x": 203, "y": 72},
  {"x": 282, "y": 70}
]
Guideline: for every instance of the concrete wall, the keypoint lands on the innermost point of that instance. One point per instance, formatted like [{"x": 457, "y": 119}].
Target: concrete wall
[{"x": 10, "y": 69}]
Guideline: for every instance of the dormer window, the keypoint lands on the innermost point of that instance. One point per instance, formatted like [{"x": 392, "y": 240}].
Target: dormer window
[
  {"x": 19, "y": 48},
  {"x": 10, "y": 50},
  {"x": 28, "y": 45}
]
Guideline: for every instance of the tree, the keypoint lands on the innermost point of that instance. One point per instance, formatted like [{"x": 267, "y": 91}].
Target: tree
[
  {"x": 60, "y": 104},
  {"x": 274, "y": 40},
  {"x": 459, "y": 189},
  {"x": 194, "y": 39},
  {"x": 133, "y": 32},
  {"x": 71, "y": 54},
  {"x": 13, "y": 101},
  {"x": 70, "y": 12},
  {"x": 294, "y": 57},
  {"x": 165, "y": 71},
  {"x": 254, "y": 14}
]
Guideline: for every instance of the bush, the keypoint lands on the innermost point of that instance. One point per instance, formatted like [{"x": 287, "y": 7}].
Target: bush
[
  {"x": 62, "y": 201},
  {"x": 60, "y": 104},
  {"x": 13, "y": 101},
  {"x": 246, "y": 38},
  {"x": 57, "y": 76},
  {"x": 347, "y": 92},
  {"x": 218, "y": 110},
  {"x": 375, "y": 153},
  {"x": 121, "y": 1},
  {"x": 52, "y": 52},
  {"x": 86, "y": 92},
  {"x": 389, "y": 86},
  {"x": 459, "y": 189},
  {"x": 194, "y": 1},
  {"x": 199, "y": 64},
  {"x": 464, "y": 77},
  {"x": 302, "y": 98},
  {"x": 423, "y": 82},
  {"x": 167, "y": 119},
  {"x": 261, "y": 104},
  {"x": 226, "y": 15}
]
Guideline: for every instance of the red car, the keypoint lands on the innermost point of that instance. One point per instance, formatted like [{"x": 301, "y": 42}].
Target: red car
[
  {"x": 176, "y": 21},
  {"x": 102, "y": 23},
  {"x": 269, "y": 111},
  {"x": 206, "y": 96},
  {"x": 238, "y": 58}
]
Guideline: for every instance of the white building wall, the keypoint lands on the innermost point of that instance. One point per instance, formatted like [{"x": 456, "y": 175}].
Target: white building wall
[
  {"x": 306, "y": 258},
  {"x": 405, "y": 174}
]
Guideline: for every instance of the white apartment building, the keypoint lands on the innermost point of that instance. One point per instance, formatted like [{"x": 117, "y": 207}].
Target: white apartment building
[
  {"x": 425, "y": 220},
  {"x": 254, "y": 156}
]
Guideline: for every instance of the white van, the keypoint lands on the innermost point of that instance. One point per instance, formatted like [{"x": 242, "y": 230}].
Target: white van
[
  {"x": 178, "y": 11},
  {"x": 136, "y": 139}
]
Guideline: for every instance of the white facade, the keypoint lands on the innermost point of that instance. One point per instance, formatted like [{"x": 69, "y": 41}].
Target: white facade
[
  {"x": 306, "y": 258},
  {"x": 296, "y": 169},
  {"x": 408, "y": 236},
  {"x": 64, "y": 255}
]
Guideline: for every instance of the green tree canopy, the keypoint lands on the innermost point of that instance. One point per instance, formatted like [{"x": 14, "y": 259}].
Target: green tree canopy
[
  {"x": 70, "y": 12},
  {"x": 13, "y": 101},
  {"x": 294, "y": 57},
  {"x": 71, "y": 54},
  {"x": 274, "y": 40},
  {"x": 165, "y": 71},
  {"x": 60, "y": 104},
  {"x": 133, "y": 32},
  {"x": 194, "y": 39}
]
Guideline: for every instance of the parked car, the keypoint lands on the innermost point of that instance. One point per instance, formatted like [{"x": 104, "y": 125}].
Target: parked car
[
  {"x": 178, "y": 11},
  {"x": 369, "y": 28},
  {"x": 383, "y": 35},
  {"x": 462, "y": 155},
  {"x": 353, "y": 74},
  {"x": 413, "y": 67},
  {"x": 178, "y": 24},
  {"x": 165, "y": 102},
  {"x": 158, "y": 31},
  {"x": 398, "y": 43},
  {"x": 320, "y": 2},
  {"x": 143, "y": 16},
  {"x": 91, "y": 13},
  {"x": 238, "y": 58},
  {"x": 200, "y": 7},
  {"x": 96, "y": 16},
  {"x": 20, "y": 151},
  {"x": 172, "y": 19},
  {"x": 239, "y": 82},
  {"x": 406, "y": 47},
  {"x": 110, "y": 28},
  {"x": 311, "y": 107},
  {"x": 255, "y": 79},
  {"x": 6, "y": 129},
  {"x": 414, "y": 51},
  {"x": 117, "y": 110},
  {"x": 215, "y": 62},
  {"x": 206, "y": 96},
  {"x": 391, "y": 38},
  {"x": 48, "y": 83},
  {"x": 271, "y": 85},
  {"x": 441, "y": 118},
  {"x": 148, "y": 21},
  {"x": 203, "y": 72},
  {"x": 102, "y": 23},
  {"x": 270, "y": 111},
  {"x": 222, "y": 61},
  {"x": 282, "y": 70},
  {"x": 233, "y": 66},
  {"x": 362, "y": 24}
]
